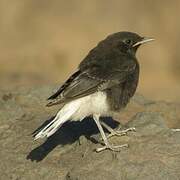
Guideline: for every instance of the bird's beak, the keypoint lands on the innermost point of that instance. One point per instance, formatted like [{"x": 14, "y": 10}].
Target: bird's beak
[{"x": 144, "y": 40}]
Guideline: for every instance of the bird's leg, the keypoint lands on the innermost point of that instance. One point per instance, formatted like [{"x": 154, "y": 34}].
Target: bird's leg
[
  {"x": 107, "y": 145},
  {"x": 118, "y": 132}
]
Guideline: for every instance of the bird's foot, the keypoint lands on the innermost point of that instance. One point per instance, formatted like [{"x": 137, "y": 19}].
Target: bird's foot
[
  {"x": 112, "y": 147},
  {"x": 121, "y": 132}
]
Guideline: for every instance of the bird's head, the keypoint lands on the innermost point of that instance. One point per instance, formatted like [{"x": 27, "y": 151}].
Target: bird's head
[{"x": 127, "y": 42}]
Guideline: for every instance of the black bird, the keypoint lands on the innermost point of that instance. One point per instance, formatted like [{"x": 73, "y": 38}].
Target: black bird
[{"x": 103, "y": 84}]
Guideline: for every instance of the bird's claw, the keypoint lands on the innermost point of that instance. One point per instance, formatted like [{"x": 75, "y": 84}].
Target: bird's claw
[
  {"x": 112, "y": 147},
  {"x": 121, "y": 132}
]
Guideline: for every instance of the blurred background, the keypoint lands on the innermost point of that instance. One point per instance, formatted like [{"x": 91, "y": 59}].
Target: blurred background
[{"x": 42, "y": 42}]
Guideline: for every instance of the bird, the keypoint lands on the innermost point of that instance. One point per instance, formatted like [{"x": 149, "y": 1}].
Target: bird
[{"x": 102, "y": 86}]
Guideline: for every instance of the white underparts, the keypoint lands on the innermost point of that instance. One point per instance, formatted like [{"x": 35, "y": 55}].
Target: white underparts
[{"x": 94, "y": 104}]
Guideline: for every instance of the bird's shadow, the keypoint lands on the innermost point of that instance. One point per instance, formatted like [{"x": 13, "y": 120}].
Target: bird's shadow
[{"x": 67, "y": 134}]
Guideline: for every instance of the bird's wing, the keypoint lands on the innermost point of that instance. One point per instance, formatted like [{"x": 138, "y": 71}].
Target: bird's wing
[
  {"x": 78, "y": 85},
  {"x": 91, "y": 78},
  {"x": 65, "y": 85}
]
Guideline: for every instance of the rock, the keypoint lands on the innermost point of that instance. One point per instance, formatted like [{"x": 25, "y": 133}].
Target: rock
[
  {"x": 148, "y": 123},
  {"x": 69, "y": 154}
]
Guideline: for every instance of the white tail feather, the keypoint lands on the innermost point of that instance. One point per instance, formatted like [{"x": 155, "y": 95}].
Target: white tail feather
[{"x": 62, "y": 116}]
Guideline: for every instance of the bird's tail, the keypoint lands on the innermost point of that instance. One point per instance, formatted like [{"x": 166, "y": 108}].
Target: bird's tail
[{"x": 62, "y": 116}]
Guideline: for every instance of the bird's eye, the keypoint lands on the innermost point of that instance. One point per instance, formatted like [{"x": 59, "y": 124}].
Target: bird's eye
[{"x": 128, "y": 41}]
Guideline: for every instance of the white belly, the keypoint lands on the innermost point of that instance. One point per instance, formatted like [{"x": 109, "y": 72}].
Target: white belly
[{"x": 93, "y": 104}]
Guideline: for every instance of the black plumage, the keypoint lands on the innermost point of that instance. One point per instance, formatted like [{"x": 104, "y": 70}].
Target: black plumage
[
  {"x": 102, "y": 85},
  {"x": 110, "y": 67}
]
